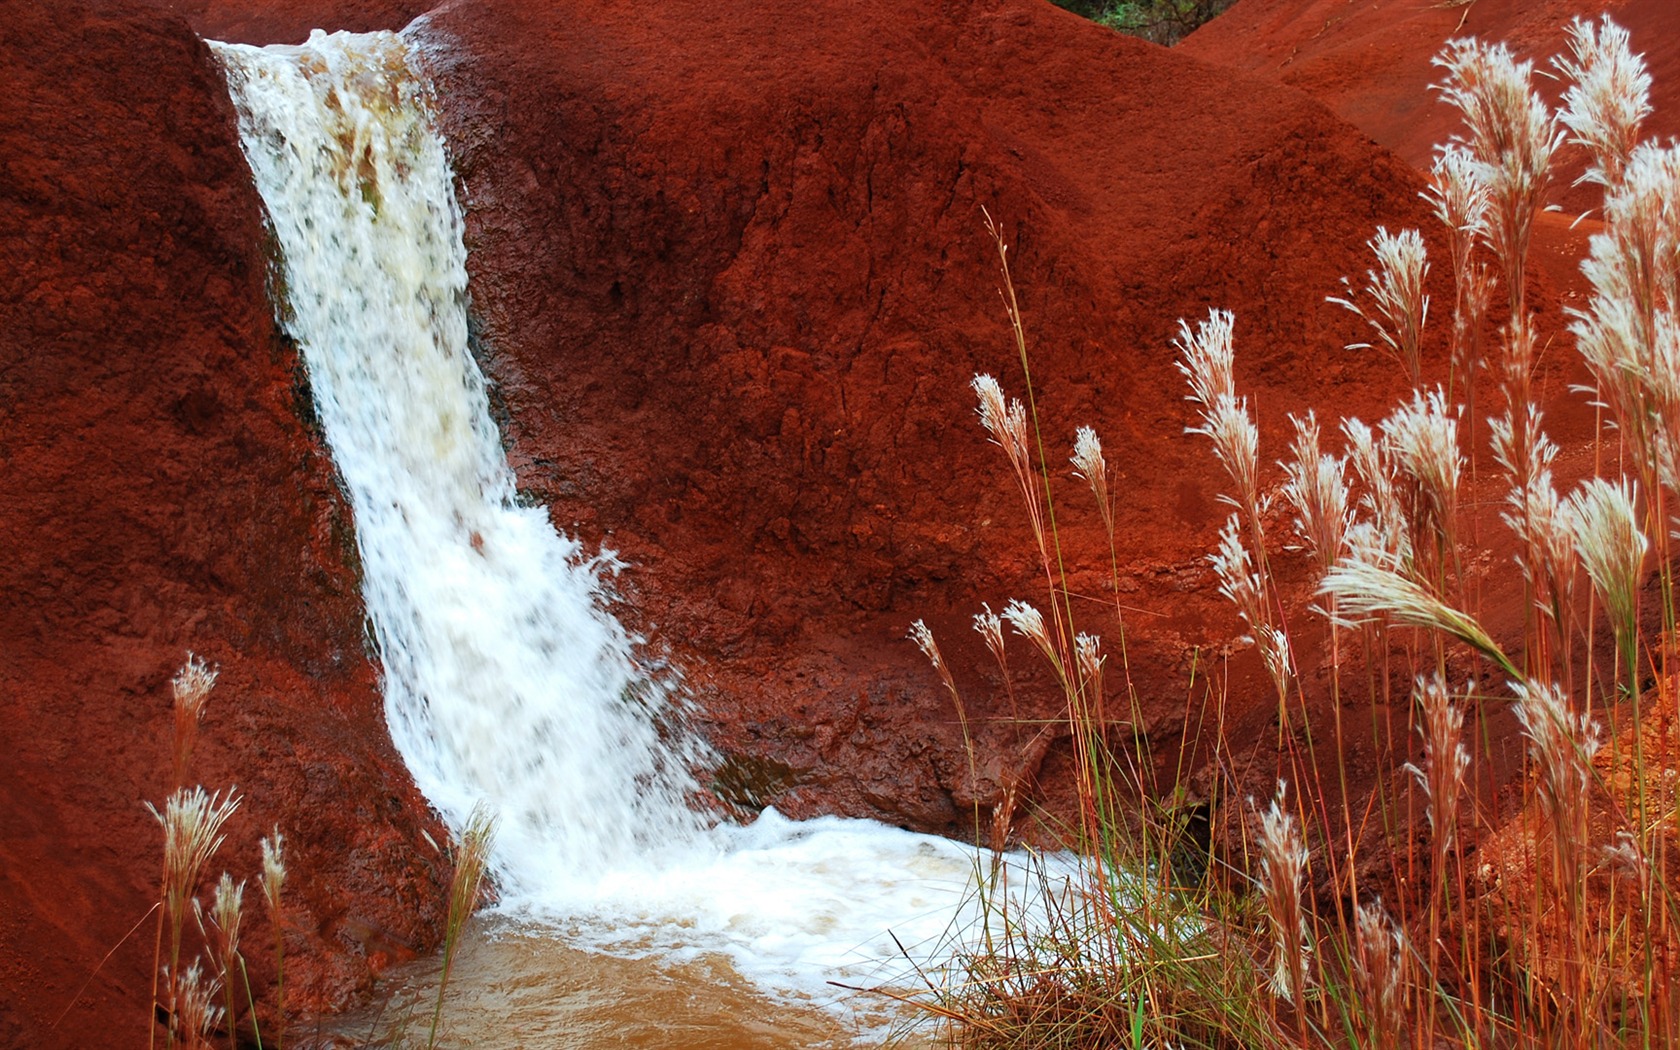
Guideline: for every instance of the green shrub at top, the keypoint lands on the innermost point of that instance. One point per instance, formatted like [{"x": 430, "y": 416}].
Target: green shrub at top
[{"x": 1162, "y": 21}]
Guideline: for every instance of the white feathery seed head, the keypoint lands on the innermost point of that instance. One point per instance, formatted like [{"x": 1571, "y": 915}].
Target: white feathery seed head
[
  {"x": 1283, "y": 865},
  {"x": 1236, "y": 441},
  {"x": 192, "y": 832},
  {"x": 1458, "y": 195},
  {"x": 1238, "y": 581},
  {"x": 1423, "y": 439},
  {"x": 990, "y": 627},
  {"x": 1510, "y": 136},
  {"x": 1664, "y": 394},
  {"x": 1509, "y": 130},
  {"x": 923, "y": 638},
  {"x": 1087, "y": 649},
  {"x": 1315, "y": 487},
  {"x": 226, "y": 911},
  {"x": 1629, "y": 857},
  {"x": 1607, "y": 98},
  {"x": 273, "y": 878},
  {"x": 1602, "y": 517},
  {"x": 1627, "y": 333},
  {"x": 1088, "y": 463},
  {"x": 192, "y": 684},
  {"x": 1536, "y": 513},
  {"x": 1378, "y": 970},
  {"x": 1087, "y": 458},
  {"x": 1006, "y": 422},
  {"x": 1530, "y": 458},
  {"x": 1275, "y": 654},
  {"x": 1521, "y": 349},
  {"x": 196, "y": 1014},
  {"x": 1399, "y": 305},
  {"x": 1206, "y": 357},
  {"x": 1028, "y": 622},
  {"x": 1445, "y": 758},
  {"x": 1373, "y": 465},
  {"x": 1561, "y": 743}
]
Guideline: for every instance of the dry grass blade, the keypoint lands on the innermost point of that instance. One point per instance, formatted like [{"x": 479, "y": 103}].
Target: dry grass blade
[
  {"x": 1283, "y": 865},
  {"x": 472, "y": 860},
  {"x": 1366, "y": 585}
]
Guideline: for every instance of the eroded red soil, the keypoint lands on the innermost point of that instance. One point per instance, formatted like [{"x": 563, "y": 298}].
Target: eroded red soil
[{"x": 731, "y": 281}]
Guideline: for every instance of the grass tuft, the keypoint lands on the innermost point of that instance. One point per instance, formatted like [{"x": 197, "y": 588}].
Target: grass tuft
[{"x": 1541, "y": 917}]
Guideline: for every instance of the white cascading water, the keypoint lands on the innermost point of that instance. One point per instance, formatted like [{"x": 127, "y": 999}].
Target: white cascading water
[{"x": 505, "y": 680}]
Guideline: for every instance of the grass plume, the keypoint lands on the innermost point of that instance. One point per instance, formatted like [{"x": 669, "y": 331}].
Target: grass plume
[
  {"x": 1399, "y": 305},
  {"x": 1524, "y": 909},
  {"x": 191, "y": 688},
  {"x": 192, "y": 832},
  {"x": 472, "y": 859}
]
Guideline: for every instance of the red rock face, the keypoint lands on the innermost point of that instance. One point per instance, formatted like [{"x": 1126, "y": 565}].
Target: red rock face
[
  {"x": 165, "y": 492},
  {"x": 733, "y": 283}
]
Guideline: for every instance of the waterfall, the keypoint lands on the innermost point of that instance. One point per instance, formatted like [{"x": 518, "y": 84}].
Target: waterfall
[{"x": 505, "y": 679}]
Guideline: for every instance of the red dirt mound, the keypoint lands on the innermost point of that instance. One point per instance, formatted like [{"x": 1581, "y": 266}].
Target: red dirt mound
[
  {"x": 1371, "y": 61},
  {"x": 733, "y": 283},
  {"x": 163, "y": 493}
]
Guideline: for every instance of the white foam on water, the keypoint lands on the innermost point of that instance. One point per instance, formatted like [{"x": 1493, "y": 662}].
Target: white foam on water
[
  {"x": 795, "y": 905},
  {"x": 505, "y": 679}
]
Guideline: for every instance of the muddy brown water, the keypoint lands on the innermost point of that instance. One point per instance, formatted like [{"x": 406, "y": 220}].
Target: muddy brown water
[{"x": 514, "y": 987}]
